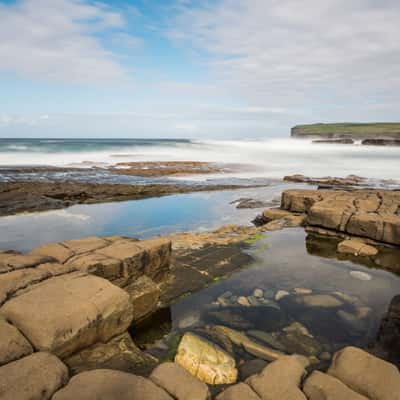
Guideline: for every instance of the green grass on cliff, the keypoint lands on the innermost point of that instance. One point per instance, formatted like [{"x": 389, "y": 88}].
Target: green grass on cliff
[{"x": 379, "y": 129}]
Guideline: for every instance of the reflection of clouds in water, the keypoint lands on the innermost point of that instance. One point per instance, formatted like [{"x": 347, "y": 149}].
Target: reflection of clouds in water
[{"x": 62, "y": 214}]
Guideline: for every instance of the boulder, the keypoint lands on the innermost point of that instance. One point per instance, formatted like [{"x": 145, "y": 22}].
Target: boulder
[
  {"x": 144, "y": 294},
  {"x": 67, "y": 313},
  {"x": 119, "y": 353},
  {"x": 366, "y": 374},
  {"x": 356, "y": 248},
  {"x": 105, "y": 384},
  {"x": 280, "y": 379},
  {"x": 240, "y": 391},
  {"x": 179, "y": 383},
  {"x": 35, "y": 377},
  {"x": 205, "y": 360},
  {"x": 13, "y": 344},
  {"x": 320, "y": 386}
]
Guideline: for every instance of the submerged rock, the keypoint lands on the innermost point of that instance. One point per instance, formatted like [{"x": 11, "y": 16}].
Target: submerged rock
[
  {"x": 205, "y": 360},
  {"x": 280, "y": 294},
  {"x": 268, "y": 338},
  {"x": 319, "y": 300},
  {"x": 231, "y": 316},
  {"x": 298, "y": 340},
  {"x": 251, "y": 367},
  {"x": 362, "y": 276},
  {"x": 356, "y": 248},
  {"x": 256, "y": 349}
]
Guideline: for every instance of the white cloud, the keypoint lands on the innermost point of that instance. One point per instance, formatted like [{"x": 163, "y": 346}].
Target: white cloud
[
  {"x": 296, "y": 52},
  {"x": 55, "y": 40}
]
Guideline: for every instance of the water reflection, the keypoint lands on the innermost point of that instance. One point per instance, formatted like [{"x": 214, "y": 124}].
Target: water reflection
[{"x": 139, "y": 218}]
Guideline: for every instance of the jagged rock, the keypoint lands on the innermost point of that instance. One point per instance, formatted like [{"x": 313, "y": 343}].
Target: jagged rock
[
  {"x": 356, "y": 248},
  {"x": 320, "y": 386},
  {"x": 368, "y": 375},
  {"x": 179, "y": 383},
  {"x": 389, "y": 331},
  {"x": 144, "y": 294},
  {"x": 120, "y": 353},
  {"x": 240, "y": 391},
  {"x": 105, "y": 384},
  {"x": 280, "y": 379},
  {"x": 13, "y": 344},
  {"x": 69, "y": 312},
  {"x": 35, "y": 377},
  {"x": 205, "y": 360},
  {"x": 256, "y": 349}
]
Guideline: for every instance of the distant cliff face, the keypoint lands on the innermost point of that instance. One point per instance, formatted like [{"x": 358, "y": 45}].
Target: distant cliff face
[{"x": 348, "y": 130}]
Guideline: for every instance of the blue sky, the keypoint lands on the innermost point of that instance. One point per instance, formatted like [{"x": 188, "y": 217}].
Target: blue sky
[{"x": 202, "y": 69}]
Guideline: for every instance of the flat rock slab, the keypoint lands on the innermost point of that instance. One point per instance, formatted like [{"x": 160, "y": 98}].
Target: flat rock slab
[
  {"x": 70, "y": 312},
  {"x": 320, "y": 386},
  {"x": 205, "y": 360},
  {"x": 35, "y": 377},
  {"x": 105, "y": 384},
  {"x": 13, "y": 344},
  {"x": 368, "y": 375},
  {"x": 10, "y": 261},
  {"x": 280, "y": 379},
  {"x": 372, "y": 214},
  {"x": 179, "y": 382}
]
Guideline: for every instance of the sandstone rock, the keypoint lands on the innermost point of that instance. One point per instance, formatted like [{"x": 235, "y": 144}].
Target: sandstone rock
[
  {"x": 275, "y": 213},
  {"x": 35, "y": 377},
  {"x": 179, "y": 383},
  {"x": 105, "y": 384},
  {"x": 280, "y": 379},
  {"x": 97, "y": 264},
  {"x": 320, "y": 386},
  {"x": 240, "y": 391},
  {"x": 13, "y": 261},
  {"x": 365, "y": 213},
  {"x": 14, "y": 281},
  {"x": 120, "y": 353},
  {"x": 70, "y": 312},
  {"x": 85, "y": 245},
  {"x": 205, "y": 360},
  {"x": 144, "y": 294},
  {"x": 368, "y": 375},
  {"x": 55, "y": 250},
  {"x": 356, "y": 248},
  {"x": 13, "y": 345}
]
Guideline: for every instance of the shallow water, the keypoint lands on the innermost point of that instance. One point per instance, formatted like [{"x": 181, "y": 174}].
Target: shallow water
[
  {"x": 283, "y": 261},
  {"x": 137, "y": 218}
]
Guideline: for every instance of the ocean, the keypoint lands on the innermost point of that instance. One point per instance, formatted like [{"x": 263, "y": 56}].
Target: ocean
[{"x": 266, "y": 158}]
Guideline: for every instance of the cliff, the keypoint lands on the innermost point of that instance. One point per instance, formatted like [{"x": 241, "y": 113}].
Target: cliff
[{"x": 349, "y": 130}]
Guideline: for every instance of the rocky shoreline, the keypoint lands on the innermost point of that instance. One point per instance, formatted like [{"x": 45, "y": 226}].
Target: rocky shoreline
[{"x": 68, "y": 311}]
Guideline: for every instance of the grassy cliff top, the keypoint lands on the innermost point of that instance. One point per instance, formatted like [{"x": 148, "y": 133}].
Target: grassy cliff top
[{"x": 355, "y": 130}]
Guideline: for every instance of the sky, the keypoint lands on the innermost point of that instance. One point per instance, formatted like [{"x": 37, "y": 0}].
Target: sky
[{"x": 195, "y": 69}]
